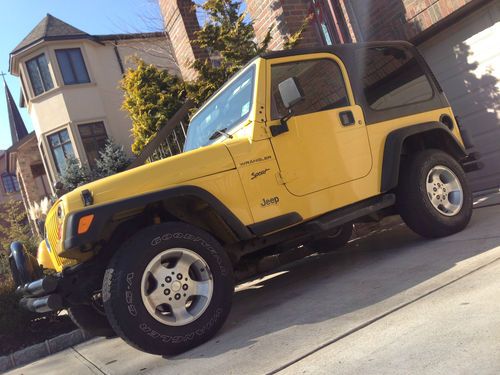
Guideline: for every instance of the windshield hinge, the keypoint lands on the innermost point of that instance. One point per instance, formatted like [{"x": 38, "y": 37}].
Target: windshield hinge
[{"x": 284, "y": 178}]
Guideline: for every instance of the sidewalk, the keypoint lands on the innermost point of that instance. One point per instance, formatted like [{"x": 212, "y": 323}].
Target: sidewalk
[{"x": 388, "y": 303}]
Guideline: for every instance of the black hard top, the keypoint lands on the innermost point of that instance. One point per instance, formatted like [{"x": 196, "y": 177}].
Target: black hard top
[{"x": 338, "y": 49}]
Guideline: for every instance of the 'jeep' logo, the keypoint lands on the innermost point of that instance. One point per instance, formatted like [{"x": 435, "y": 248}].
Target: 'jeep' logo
[
  {"x": 270, "y": 201},
  {"x": 259, "y": 173}
]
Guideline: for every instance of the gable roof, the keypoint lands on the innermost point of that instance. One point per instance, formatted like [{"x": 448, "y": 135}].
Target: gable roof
[{"x": 50, "y": 28}]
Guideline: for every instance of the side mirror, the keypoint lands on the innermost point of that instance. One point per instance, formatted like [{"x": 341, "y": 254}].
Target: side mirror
[{"x": 290, "y": 91}]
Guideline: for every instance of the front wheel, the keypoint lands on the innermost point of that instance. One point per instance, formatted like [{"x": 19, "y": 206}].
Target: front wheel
[
  {"x": 168, "y": 289},
  {"x": 434, "y": 198}
]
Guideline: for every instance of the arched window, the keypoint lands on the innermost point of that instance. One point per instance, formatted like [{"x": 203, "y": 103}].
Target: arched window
[{"x": 10, "y": 183}]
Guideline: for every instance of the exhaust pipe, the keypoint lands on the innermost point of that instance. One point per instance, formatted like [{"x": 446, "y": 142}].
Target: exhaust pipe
[
  {"x": 52, "y": 302},
  {"x": 39, "y": 287}
]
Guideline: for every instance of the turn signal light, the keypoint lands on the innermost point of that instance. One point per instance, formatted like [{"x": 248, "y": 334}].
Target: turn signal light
[{"x": 84, "y": 223}]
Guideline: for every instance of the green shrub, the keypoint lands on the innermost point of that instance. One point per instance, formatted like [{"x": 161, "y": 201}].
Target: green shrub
[{"x": 13, "y": 319}]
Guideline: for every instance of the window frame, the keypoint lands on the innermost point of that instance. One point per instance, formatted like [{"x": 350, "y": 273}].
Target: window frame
[
  {"x": 66, "y": 51},
  {"x": 337, "y": 62},
  {"x": 30, "y": 77},
  {"x": 409, "y": 53},
  {"x": 61, "y": 145},
  {"x": 16, "y": 188},
  {"x": 84, "y": 138},
  {"x": 236, "y": 125}
]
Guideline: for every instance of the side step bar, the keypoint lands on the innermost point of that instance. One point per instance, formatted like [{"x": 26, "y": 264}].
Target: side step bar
[{"x": 350, "y": 213}]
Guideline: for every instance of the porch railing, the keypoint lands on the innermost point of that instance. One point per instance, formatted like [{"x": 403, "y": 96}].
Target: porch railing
[{"x": 170, "y": 138}]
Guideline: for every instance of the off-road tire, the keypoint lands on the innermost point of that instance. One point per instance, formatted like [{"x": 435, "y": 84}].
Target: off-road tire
[
  {"x": 91, "y": 321},
  {"x": 122, "y": 296},
  {"x": 334, "y": 241},
  {"x": 414, "y": 204}
]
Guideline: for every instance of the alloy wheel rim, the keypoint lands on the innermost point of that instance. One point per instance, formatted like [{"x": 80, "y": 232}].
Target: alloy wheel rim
[
  {"x": 444, "y": 190},
  {"x": 177, "y": 287}
]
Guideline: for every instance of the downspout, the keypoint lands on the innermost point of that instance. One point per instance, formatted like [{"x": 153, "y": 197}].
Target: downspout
[{"x": 118, "y": 57}]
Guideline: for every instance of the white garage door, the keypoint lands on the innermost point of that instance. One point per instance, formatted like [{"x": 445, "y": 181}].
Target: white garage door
[{"x": 466, "y": 60}]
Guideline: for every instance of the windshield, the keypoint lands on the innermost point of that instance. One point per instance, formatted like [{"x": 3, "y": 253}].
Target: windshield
[{"x": 229, "y": 108}]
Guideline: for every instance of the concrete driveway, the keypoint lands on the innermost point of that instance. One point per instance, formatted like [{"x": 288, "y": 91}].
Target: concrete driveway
[{"x": 391, "y": 302}]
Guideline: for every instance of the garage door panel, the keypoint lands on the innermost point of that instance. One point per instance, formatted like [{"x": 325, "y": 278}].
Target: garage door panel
[{"x": 466, "y": 60}]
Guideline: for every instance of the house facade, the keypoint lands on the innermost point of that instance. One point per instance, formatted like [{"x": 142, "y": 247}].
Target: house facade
[
  {"x": 458, "y": 38},
  {"x": 70, "y": 88}
]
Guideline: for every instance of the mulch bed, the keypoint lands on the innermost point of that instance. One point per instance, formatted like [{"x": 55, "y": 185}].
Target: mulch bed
[{"x": 38, "y": 330}]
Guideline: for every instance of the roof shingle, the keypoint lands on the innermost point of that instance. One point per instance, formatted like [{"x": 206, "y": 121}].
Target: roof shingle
[{"x": 50, "y": 28}]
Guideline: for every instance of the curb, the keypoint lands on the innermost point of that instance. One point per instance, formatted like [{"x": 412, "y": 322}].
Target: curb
[{"x": 44, "y": 349}]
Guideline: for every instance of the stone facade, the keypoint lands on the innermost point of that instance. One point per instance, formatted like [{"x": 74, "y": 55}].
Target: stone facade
[
  {"x": 283, "y": 18},
  {"x": 34, "y": 186},
  {"x": 348, "y": 20},
  {"x": 181, "y": 24},
  {"x": 397, "y": 19}
]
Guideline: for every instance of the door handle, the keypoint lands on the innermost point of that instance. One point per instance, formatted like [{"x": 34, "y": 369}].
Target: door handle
[{"x": 346, "y": 118}]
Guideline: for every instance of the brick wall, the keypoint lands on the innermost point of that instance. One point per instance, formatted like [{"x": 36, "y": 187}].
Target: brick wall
[
  {"x": 28, "y": 155},
  {"x": 397, "y": 19},
  {"x": 286, "y": 17},
  {"x": 181, "y": 23}
]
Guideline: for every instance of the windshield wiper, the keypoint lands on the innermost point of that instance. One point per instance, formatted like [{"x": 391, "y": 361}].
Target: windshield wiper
[{"x": 219, "y": 133}]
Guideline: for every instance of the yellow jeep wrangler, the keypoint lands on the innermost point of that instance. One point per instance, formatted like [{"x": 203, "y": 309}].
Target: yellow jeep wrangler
[{"x": 286, "y": 156}]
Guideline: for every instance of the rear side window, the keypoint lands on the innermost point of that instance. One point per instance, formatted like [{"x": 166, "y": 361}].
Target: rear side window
[
  {"x": 392, "y": 77},
  {"x": 321, "y": 81}
]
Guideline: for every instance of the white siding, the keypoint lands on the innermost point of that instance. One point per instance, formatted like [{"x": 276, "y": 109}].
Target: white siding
[{"x": 466, "y": 60}]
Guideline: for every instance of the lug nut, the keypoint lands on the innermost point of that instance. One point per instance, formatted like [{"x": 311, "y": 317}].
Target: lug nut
[
  {"x": 166, "y": 292},
  {"x": 168, "y": 279},
  {"x": 185, "y": 287},
  {"x": 177, "y": 296},
  {"x": 179, "y": 276}
]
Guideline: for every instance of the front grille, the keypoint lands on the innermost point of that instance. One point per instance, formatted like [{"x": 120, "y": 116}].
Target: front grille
[{"x": 51, "y": 224}]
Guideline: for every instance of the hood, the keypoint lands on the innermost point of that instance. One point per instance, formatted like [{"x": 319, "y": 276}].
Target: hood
[{"x": 155, "y": 176}]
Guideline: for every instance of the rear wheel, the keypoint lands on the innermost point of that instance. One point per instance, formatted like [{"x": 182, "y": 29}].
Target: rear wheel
[
  {"x": 168, "y": 289},
  {"x": 434, "y": 198}
]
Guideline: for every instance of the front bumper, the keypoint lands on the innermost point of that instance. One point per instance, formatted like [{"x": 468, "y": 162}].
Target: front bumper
[
  {"x": 471, "y": 162},
  {"x": 38, "y": 292},
  {"x": 41, "y": 294}
]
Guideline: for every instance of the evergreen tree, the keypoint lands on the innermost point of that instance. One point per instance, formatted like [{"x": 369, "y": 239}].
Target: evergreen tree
[
  {"x": 151, "y": 97},
  {"x": 112, "y": 159},
  {"x": 75, "y": 174},
  {"x": 230, "y": 39},
  {"x": 14, "y": 226}
]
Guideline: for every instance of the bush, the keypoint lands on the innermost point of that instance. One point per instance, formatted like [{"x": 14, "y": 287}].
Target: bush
[
  {"x": 112, "y": 159},
  {"x": 13, "y": 319},
  {"x": 14, "y": 227}
]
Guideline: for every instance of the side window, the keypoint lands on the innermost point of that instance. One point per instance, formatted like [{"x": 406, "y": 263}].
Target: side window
[
  {"x": 72, "y": 66},
  {"x": 94, "y": 139},
  {"x": 10, "y": 183},
  {"x": 38, "y": 71},
  {"x": 392, "y": 77},
  {"x": 322, "y": 83},
  {"x": 61, "y": 147}
]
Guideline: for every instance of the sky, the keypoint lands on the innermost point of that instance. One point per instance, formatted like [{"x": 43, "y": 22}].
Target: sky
[{"x": 19, "y": 17}]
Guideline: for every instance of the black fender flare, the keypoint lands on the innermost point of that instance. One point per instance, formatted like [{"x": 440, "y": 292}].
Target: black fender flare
[
  {"x": 104, "y": 213},
  {"x": 394, "y": 146}
]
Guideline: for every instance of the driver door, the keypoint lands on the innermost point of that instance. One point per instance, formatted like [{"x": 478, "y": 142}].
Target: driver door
[{"x": 326, "y": 143}]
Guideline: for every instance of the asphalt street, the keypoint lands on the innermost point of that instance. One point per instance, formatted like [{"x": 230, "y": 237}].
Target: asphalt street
[{"x": 388, "y": 303}]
